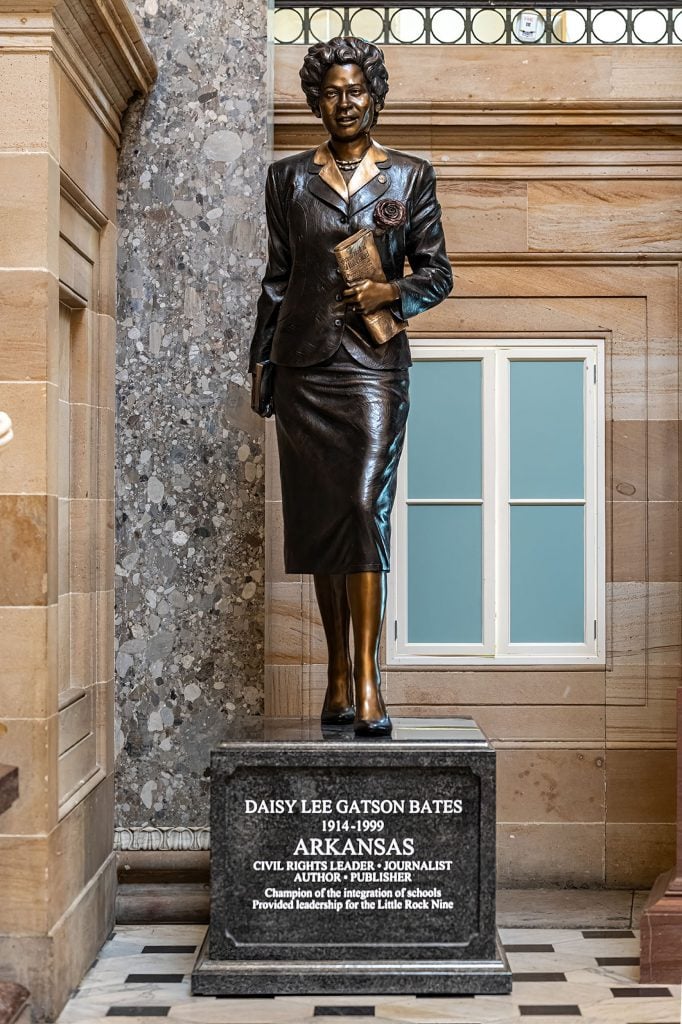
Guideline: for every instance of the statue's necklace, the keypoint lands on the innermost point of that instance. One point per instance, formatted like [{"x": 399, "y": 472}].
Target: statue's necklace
[{"x": 348, "y": 165}]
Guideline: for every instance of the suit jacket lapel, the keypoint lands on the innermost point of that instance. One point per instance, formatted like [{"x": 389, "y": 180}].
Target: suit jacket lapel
[
  {"x": 326, "y": 181},
  {"x": 366, "y": 186},
  {"x": 322, "y": 190},
  {"x": 369, "y": 183}
]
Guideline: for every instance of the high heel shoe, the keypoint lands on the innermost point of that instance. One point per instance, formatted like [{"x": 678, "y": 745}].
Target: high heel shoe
[
  {"x": 339, "y": 692},
  {"x": 371, "y": 702},
  {"x": 381, "y": 727},
  {"x": 342, "y": 717}
]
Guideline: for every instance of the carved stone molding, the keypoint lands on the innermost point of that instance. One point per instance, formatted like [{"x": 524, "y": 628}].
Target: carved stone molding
[
  {"x": 162, "y": 839},
  {"x": 496, "y": 87},
  {"x": 440, "y": 116},
  {"x": 98, "y": 44}
]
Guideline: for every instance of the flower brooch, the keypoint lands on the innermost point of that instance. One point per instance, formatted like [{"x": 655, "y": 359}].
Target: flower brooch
[{"x": 390, "y": 214}]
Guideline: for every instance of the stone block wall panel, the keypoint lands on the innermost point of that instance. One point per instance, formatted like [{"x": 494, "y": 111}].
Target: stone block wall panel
[{"x": 562, "y": 217}]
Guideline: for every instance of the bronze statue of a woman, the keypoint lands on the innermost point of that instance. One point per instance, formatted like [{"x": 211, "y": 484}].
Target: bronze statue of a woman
[{"x": 340, "y": 399}]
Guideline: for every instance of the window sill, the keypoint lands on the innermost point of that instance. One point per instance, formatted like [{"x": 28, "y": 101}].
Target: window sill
[{"x": 419, "y": 664}]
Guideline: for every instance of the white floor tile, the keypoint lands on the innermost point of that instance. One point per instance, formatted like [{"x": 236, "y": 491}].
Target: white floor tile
[{"x": 587, "y": 985}]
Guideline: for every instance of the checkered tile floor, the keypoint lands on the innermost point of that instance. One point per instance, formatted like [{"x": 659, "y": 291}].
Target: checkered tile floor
[{"x": 559, "y": 975}]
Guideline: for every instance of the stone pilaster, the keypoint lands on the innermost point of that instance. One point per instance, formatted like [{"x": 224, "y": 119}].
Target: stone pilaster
[{"x": 67, "y": 72}]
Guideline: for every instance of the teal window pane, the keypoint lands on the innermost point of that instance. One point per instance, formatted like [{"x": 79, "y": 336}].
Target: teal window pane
[
  {"x": 547, "y": 574},
  {"x": 546, "y": 428},
  {"x": 444, "y": 601},
  {"x": 444, "y": 430}
]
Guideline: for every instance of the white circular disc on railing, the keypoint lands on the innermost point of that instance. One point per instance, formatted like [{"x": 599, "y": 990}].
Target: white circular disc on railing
[{"x": 6, "y": 432}]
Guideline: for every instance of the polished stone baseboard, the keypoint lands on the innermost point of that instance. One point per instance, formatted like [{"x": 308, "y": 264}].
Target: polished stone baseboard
[
  {"x": 377, "y": 977},
  {"x": 157, "y": 888},
  {"x": 661, "y": 938},
  {"x": 570, "y": 908}
]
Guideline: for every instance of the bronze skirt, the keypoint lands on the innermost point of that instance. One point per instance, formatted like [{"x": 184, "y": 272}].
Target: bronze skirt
[{"x": 340, "y": 432}]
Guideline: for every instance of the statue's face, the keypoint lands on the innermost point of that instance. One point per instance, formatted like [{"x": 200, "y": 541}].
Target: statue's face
[{"x": 346, "y": 106}]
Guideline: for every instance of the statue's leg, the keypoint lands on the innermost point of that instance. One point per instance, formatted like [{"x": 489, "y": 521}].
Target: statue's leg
[
  {"x": 333, "y": 605},
  {"x": 367, "y": 600}
]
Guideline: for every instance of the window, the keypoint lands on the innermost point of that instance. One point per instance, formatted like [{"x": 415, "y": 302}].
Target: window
[{"x": 498, "y": 521}]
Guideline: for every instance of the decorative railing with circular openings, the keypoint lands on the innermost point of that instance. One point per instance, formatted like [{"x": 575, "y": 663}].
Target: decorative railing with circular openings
[{"x": 510, "y": 23}]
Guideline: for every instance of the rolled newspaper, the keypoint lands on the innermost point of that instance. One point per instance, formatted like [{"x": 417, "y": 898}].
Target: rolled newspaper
[{"x": 358, "y": 258}]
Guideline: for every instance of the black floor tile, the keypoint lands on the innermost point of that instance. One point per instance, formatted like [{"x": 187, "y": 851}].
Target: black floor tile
[
  {"x": 612, "y": 934},
  {"x": 138, "y": 1011},
  {"x": 563, "y": 1010},
  {"x": 641, "y": 993},
  {"x": 169, "y": 949},
  {"x": 617, "y": 961},
  {"x": 162, "y": 979},
  {"x": 528, "y": 948},
  {"x": 539, "y": 976},
  {"x": 344, "y": 1011}
]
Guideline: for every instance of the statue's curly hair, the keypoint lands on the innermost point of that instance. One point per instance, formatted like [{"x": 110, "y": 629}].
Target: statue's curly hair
[{"x": 344, "y": 50}]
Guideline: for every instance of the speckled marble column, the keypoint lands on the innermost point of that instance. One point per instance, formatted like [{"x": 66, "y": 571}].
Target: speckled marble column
[{"x": 190, "y": 474}]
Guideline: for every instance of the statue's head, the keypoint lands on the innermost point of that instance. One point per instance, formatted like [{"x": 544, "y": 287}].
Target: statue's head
[{"x": 323, "y": 60}]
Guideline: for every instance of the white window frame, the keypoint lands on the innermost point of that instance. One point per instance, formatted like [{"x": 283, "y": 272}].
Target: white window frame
[{"x": 496, "y": 355}]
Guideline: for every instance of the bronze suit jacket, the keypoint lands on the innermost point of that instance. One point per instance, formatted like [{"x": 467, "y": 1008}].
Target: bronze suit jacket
[{"x": 301, "y": 317}]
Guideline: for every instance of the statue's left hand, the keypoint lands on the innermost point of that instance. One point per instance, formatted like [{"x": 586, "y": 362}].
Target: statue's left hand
[{"x": 369, "y": 296}]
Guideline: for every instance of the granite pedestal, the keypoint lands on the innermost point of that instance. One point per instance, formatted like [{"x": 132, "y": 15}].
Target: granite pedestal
[
  {"x": 345, "y": 865},
  {"x": 661, "y": 927}
]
